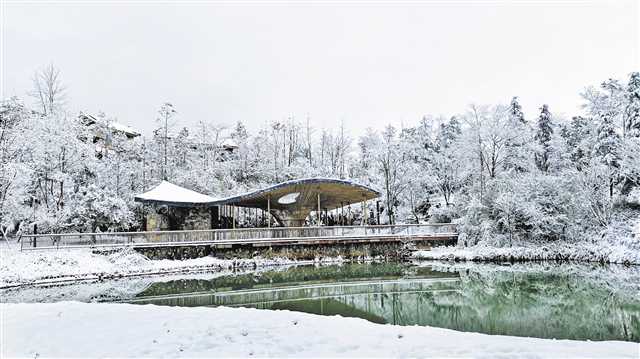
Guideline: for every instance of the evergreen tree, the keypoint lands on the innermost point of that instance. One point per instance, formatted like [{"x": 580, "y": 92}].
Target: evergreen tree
[
  {"x": 606, "y": 148},
  {"x": 577, "y": 135},
  {"x": 515, "y": 111},
  {"x": 240, "y": 132},
  {"x": 518, "y": 136},
  {"x": 449, "y": 132},
  {"x": 632, "y": 111},
  {"x": 543, "y": 137}
]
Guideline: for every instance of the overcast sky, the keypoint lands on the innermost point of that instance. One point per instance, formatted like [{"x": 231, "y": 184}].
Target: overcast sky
[{"x": 367, "y": 64}]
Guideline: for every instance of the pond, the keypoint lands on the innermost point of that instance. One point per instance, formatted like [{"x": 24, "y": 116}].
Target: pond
[{"x": 562, "y": 301}]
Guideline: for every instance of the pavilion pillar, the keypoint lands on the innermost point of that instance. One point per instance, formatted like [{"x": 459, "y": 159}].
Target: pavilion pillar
[
  {"x": 319, "y": 211},
  {"x": 269, "y": 211},
  {"x": 215, "y": 216},
  {"x": 233, "y": 217}
]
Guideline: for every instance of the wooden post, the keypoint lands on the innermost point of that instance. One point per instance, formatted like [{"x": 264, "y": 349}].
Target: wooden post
[
  {"x": 378, "y": 212},
  {"x": 364, "y": 216},
  {"x": 319, "y": 211},
  {"x": 269, "y": 210},
  {"x": 233, "y": 217}
]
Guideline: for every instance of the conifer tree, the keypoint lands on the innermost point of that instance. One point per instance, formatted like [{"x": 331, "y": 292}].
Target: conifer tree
[
  {"x": 515, "y": 110},
  {"x": 543, "y": 137},
  {"x": 632, "y": 111},
  {"x": 607, "y": 146}
]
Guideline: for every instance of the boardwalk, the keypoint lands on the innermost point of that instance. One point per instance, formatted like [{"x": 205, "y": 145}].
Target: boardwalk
[{"x": 246, "y": 236}]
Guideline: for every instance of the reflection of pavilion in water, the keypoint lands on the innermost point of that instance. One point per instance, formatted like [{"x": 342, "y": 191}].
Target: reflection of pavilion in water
[
  {"x": 381, "y": 300},
  {"x": 504, "y": 303}
]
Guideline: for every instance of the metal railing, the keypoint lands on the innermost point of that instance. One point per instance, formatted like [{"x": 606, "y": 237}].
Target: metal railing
[{"x": 240, "y": 235}]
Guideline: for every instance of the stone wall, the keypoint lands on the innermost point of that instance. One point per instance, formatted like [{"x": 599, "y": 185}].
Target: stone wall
[
  {"x": 163, "y": 218},
  {"x": 390, "y": 250}
]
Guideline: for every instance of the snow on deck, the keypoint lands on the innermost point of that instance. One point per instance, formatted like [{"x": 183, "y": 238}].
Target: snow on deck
[
  {"x": 169, "y": 192},
  {"x": 71, "y": 329}
]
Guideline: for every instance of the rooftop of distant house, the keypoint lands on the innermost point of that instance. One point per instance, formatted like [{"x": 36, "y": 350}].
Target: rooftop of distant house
[{"x": 90, "y": 120}]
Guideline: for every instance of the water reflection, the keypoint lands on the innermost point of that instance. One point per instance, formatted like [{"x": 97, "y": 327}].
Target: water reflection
[
  {"x": 527, "y": 300},
  {"x": 535, "y": 300}
]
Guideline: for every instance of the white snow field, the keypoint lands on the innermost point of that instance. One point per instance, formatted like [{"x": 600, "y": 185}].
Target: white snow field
[{"x": 71, "y": 329}]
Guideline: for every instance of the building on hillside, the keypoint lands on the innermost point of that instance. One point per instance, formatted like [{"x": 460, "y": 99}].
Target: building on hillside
[
  {"x": 113, "y": 127},
  {"x": 229, "y": 145},
  {"x": 224, "y": 149},
  {"x": 297, "y": 203},
  {"x": 101, "y": 132}
]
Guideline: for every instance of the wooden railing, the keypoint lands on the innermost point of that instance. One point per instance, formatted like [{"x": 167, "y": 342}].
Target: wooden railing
[{"x": 242, "y": 235}]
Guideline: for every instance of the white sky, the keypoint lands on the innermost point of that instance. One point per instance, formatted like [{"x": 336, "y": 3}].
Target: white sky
[{"x": 368, "y": 64}]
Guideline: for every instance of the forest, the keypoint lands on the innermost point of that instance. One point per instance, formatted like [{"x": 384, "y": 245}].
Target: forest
[{"x": 503, "y": 176}]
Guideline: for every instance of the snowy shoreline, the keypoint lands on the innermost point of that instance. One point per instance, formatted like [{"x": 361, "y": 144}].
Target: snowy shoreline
[
  {"x": 563, "y": 252},
  {"x": 73, "y": 329},
  {"x": 19, "y": 269}
]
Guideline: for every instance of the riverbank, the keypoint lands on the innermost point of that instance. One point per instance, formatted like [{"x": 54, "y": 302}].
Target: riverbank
[
  {"x": 603, "y": 252},
  {"x": 95, "y": 330},
  {"x": 75, "y": 265}
]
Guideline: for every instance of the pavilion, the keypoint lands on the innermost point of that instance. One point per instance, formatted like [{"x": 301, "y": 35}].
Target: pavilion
[{"x": 288, "y": 204}]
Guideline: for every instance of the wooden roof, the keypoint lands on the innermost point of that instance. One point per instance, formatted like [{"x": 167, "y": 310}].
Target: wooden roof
[
  {"x": 303, "y": 193},
  {"x": 294, "y": 198}
]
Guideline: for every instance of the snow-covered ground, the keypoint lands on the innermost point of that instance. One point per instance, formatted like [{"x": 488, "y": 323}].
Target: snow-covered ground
[
  {"x": 39, "y": 267},
  {"x": 71, "y": 329},
  {"x": 580, "y": 251}
]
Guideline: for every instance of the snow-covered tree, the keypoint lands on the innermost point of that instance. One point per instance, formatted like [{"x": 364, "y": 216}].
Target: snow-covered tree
[
  {"x": 632, "y": 108},
  {"x": 544, "y": 131},
  {"x": 48, "y": 90},
  {"x": 606, "y": 149},
  {"x": 166, "y": 114}
]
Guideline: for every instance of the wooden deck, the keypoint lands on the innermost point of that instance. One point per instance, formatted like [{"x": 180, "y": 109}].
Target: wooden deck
[{"x": 257, "y": 237}]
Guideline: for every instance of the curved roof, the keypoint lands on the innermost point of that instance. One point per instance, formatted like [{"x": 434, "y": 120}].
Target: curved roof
[
  {"x": 295, "y": 195},
  {"x": 334, "y": 193},
  {"x": 171, "y": 194}
]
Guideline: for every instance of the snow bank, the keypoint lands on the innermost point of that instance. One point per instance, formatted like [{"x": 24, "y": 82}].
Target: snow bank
[
  {"x": 72, "y": 329},
  {"x": 39, "y": 267},
  {"x": 578, "y": 251}
]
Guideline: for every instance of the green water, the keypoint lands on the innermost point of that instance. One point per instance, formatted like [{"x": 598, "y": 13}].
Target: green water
[{"x": 558, "y": 301}]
